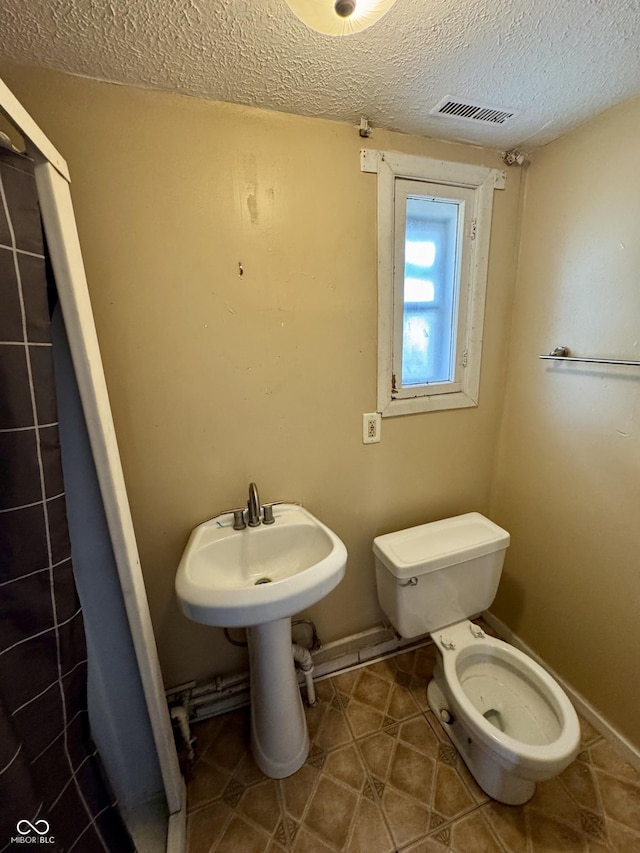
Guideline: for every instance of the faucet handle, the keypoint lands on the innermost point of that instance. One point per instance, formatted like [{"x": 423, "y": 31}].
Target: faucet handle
[
  {"x": 238, "y": 519},
  {"x": 267, "y": 514}
]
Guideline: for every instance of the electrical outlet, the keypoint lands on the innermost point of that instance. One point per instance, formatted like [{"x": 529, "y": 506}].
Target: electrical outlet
[{"x": 371, "y": 424}]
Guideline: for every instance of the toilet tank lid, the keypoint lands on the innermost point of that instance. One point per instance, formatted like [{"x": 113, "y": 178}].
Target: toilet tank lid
[{"x": 438, "y": 544}]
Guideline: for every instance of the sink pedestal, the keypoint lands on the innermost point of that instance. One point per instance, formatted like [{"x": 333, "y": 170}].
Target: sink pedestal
[{"x": 279, "y": 735}]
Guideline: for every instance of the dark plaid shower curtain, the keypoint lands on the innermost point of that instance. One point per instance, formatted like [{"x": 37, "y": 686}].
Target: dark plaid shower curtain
[{"x": 52, "y": 790}]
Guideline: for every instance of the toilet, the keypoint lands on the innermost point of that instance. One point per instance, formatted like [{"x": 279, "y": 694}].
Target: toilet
[{"x": 510, "y": 721}]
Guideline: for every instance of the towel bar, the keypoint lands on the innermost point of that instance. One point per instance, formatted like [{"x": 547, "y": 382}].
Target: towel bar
[{"x": 562, "y": 354}]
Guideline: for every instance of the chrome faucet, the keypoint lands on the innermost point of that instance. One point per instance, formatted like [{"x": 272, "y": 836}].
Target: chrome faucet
[
  {"x": 253, "y": 506},
  {"x": 253, "y": 511}
]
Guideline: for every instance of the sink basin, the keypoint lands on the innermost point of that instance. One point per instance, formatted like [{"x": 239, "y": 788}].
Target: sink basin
[{"x": 241, "y": 578}]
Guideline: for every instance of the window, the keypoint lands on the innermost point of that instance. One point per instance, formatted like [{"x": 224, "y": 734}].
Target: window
[{"x": 434, "y": 220}]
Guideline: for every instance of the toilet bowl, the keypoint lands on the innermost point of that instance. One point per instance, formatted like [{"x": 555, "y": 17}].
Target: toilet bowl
[{"x": 512, "y": 724}]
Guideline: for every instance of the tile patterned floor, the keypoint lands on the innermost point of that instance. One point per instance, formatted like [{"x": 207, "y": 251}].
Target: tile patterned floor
[{"x": 382, "y": 777}]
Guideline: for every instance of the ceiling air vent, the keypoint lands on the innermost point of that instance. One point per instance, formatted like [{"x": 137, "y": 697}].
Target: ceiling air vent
[{"x": 457, "y": 108}]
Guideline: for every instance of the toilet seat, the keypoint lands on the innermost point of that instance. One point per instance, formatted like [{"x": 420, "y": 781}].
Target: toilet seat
[{"x": 511, "y": 704}]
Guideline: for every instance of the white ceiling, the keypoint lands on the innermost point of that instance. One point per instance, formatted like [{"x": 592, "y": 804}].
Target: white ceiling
[{"x": 555, "y": 62}]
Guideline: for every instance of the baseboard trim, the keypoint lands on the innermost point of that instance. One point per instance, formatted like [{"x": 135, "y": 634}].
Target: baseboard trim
[
  {"x": 361, "y": 649},
  {"x": 629, "y": 751}
]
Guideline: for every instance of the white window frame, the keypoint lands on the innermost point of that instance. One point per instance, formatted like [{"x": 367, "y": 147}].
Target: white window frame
[{"x": 391, "y": 166}]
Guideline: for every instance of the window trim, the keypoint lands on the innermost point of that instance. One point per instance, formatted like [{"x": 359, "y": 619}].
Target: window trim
[{"x": 390, "y": 166}]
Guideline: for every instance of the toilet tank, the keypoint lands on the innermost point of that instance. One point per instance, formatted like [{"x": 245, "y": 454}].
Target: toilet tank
[{"x": 439, "y": 573}]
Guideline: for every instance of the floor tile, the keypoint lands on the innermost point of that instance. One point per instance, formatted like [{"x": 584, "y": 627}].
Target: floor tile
[
  {"x": 345, "y": 765},
  {"x": 371, "y": 690},
  {"x": 622, "y": 840},
  {"x": 205, "y": 826},
  {"x": 231, "y": 742},
  {"x": 621, "y": 801},
  {"x": 509, "y": 825},
  {"x": 407, "y": 819},
  {"x": 261, "y": 805},
  {"x": 274, "y": 847},
  {"x": 552, "y": 800},
  {"x": 580, "y": 784},
  {"x": 450, "y": 796},
  {"x": 411, "y": 772},
  {"x": 377, "y": 752},
  {"x": 474, "y": 834},
  {"x": 427, "y": 845},
  {"x": 418, "y": 734},
  {"x": 402, "y": 704},
  {"x": 370, "y": 833},
  {"x": 385, "y": 669},
  {"x": 328, "y": 727},
  {"x": 305, "y": 842},
  {"x": 241, "y": 835},
  {"x": 330, "y": 812},
  {"x": 604, "y": 757},
  {"x": 363, "y": 719},
  {"x": 346, "y": 681},
  {"x": 298, "y": 789},
  {"x": 207, "y": 784},
  {"x": 587, "y": 733},
  {"x": 547, "y": 835}
]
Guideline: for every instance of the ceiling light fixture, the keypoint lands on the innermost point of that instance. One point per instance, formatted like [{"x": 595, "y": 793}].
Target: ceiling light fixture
[{"x": 340, "y": 17}]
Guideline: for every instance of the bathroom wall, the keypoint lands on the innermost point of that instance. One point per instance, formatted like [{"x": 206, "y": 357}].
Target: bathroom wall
[
  {"x": 568, "y": 475},
  {"x": 218, "y": 378}
]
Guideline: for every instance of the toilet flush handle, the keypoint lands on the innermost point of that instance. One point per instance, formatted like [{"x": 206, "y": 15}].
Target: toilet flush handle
[{"x": 410, "y": 582}]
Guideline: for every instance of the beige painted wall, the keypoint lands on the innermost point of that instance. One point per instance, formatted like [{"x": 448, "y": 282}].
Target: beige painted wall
[
  {"x": 568, "y": 475},
  {"x": 216, "y": 380}
]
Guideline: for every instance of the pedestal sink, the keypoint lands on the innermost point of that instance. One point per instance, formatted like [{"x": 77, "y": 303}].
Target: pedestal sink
[{"x": 258, "y": 578}]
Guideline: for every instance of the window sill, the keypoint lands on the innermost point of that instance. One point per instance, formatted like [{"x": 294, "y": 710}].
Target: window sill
[{"x": 432, "y": 403}]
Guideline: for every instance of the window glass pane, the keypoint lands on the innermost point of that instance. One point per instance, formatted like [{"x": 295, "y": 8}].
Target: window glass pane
[
  {"x": 430, "y": 290},
  {"x": 421, "y": 253},
  {"x": 418, "y": 290},
  {"x": 417, "y": 335}
]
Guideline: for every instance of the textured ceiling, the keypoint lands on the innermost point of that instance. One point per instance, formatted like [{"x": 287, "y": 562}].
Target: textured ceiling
[{"x": 555, "y": 62}]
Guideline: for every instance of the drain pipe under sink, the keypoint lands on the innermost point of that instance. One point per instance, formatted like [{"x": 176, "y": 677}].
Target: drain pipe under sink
[{"x": 303, "y": 657}]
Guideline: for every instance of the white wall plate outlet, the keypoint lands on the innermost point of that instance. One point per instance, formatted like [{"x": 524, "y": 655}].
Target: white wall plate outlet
[{"x": 371, "y": 426}]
